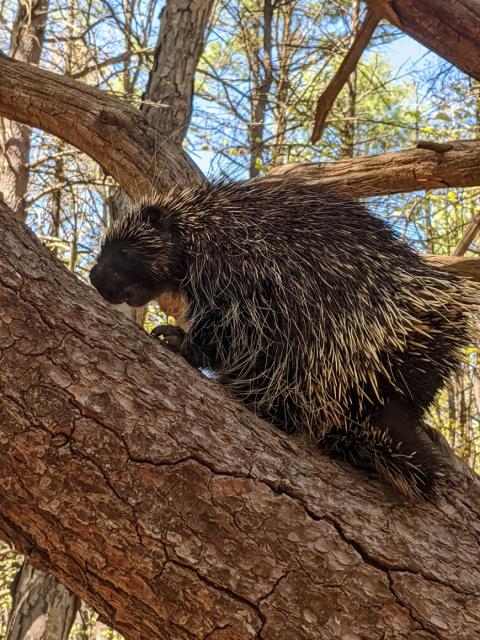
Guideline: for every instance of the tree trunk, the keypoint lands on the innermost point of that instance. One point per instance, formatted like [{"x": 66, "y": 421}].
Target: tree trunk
[
  {"x": 177, "y": 514},
  {"x": 42, "y": 608},
  {"x": 169, "y": 95},
  {"x": 348, "y": 128},
  {"x": 261, "y": 63},
  {"x": 448, "y": 27},
  {"x": 25, "y": 45}
]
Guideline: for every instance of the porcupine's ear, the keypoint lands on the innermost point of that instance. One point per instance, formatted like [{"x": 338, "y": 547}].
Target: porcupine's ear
[{"x": 158, "y": 217}]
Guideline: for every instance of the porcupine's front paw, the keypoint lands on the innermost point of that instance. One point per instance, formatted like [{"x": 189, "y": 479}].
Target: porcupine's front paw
[{"x": 170, "y": 335}]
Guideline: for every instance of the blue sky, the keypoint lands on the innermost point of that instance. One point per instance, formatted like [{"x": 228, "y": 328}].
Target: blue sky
[{"x": 401, "y": 53}]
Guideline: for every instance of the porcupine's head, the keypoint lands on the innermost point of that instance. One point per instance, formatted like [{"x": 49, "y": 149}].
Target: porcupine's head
[{"x": 140, "y": 257}]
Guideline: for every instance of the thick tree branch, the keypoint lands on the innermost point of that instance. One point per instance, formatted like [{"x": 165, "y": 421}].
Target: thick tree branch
[
  {"x": 176, "y": 514},
  {"x": 397, "y": 172},
  {"x": 448, "y": 27},
  {"x": 120, "y": 138},
  {"x": 464, "y": 267}
]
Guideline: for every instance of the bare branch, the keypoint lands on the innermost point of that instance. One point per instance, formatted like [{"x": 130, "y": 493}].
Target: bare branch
[
  {"x": 468, "y": 237},
  {"x": 328, "y": 97}
]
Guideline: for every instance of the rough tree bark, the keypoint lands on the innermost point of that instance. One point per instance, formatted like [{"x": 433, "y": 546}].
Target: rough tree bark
[
  {"x": 169, "y": 94},
  {"x": 448, "y": 27},
  {"x": 177, "y": 515},
  {"x": 26, "y": 44}
]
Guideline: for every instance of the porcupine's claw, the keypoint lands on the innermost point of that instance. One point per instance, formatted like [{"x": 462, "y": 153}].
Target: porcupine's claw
[
  {"x": 170, "y": 335},
  {"x": 173, "y": 337}
]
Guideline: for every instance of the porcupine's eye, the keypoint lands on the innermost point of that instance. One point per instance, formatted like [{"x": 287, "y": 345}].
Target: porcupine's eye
[
  {"x": 123, "y": 252},
  {"x": 158, "y": 217}
]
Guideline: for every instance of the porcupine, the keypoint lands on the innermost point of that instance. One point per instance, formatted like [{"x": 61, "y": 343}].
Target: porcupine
[{"x": 307, "y": 307}]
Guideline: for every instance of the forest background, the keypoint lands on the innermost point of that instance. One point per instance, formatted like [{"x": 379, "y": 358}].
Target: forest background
[{"x": 262, "y": 69}]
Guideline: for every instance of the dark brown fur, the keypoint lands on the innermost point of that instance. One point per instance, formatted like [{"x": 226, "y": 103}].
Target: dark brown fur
[{"x": 308, "y": 308}]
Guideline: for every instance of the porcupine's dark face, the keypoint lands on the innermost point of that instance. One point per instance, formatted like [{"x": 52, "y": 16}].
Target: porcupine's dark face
[{"x": 140, "y": 259}]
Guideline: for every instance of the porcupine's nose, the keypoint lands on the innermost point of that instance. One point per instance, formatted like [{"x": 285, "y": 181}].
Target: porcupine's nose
[
  {"x": 104, "y": 285},
  {"x": 96, "y": 277}
]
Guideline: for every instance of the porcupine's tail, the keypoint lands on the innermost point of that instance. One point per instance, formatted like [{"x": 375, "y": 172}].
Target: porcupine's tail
[{"x": 400, "y": 452}]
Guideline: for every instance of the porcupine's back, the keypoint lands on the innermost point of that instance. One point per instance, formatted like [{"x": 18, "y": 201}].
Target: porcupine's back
[{"x": 315, "y": 316}]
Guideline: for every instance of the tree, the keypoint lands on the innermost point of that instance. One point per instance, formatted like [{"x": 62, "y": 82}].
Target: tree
[
  {"x": 118, "y": 460},
  {"x": 42, "y": 608},
  {"x": 26, "y": 45},
  {"x": 175, "y": 513}
]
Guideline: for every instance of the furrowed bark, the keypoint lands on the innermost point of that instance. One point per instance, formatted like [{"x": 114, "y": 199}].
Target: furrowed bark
[
  {"x": 177, "y": 515},
  {"x": 169, "y": 94},
  {"x": 448, "y": 27}
]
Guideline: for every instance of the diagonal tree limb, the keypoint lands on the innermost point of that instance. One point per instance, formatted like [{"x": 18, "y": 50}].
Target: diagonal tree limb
[
  {"x": 336, "y": 84},
  {"x": 177, "y": 515},
  {"x": 468, "y": 237}
]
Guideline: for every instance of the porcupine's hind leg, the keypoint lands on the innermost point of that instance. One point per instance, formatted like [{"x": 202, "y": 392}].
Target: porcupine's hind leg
[
  {"x": 392, "y": 444},
  {"x": 410, "y": 460}
]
